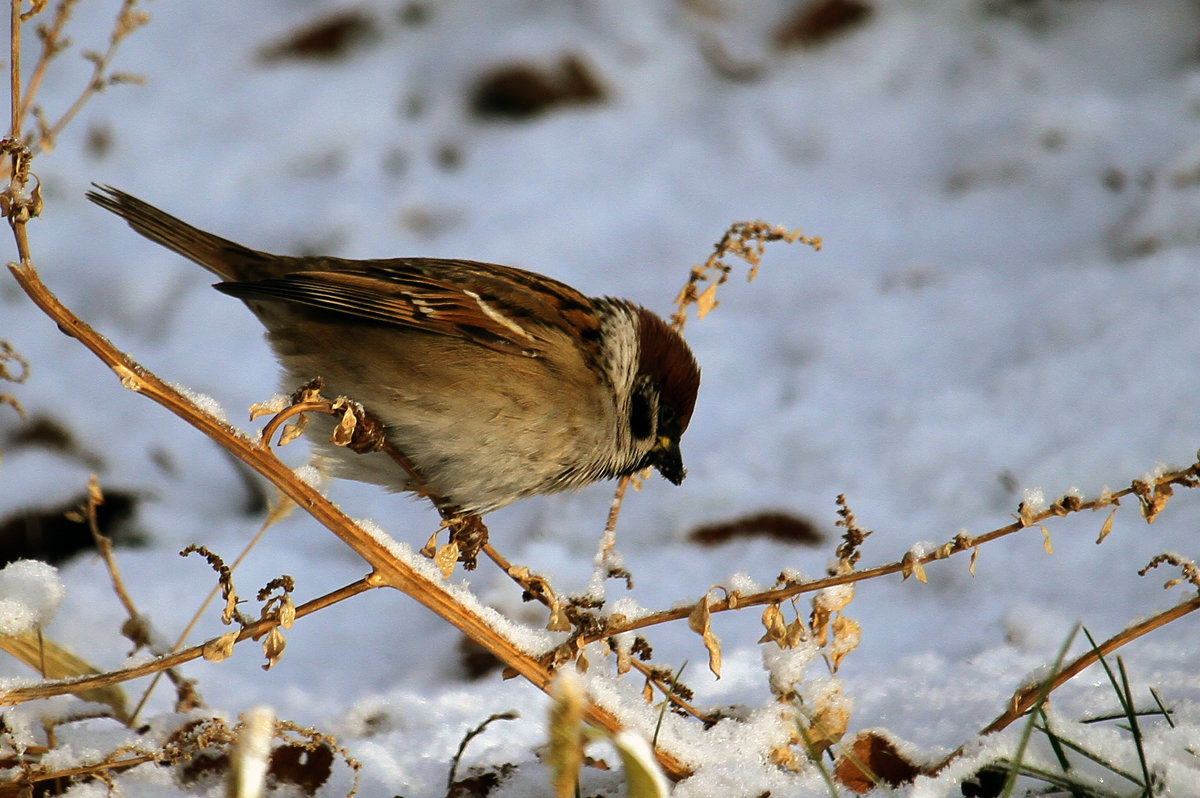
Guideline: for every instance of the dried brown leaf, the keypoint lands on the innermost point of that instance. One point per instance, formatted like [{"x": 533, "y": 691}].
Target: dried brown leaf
[
  {"x": 796, "y": 632},
  {"x": 1154, "y": 500},
  {"x": 343, "y": 433},
  {"x": 772, "y": 621},
  {"x": 220, "y": 648},
  {"x": 269, "y": 407},
  {"x": 784, "y": 757},
  {"x": 624, "y": 660},
  {"x": 294, "y": 430},
  {"x": 446, "y": 557},
  {"x": 872, "y": 760},
  {"x": 700, "y": 622},
  {"x": 273, "y": 645},
  {"x": 287, "y": 612},
  {"x": 1106, "y": 527},
  {"x": 911, "y": 566},
  {"x": 820, "y": 623},
  {"x": 826, "y": 726},
  {"x": 706, "y": 301},
  {"x": 559, "y": 622},
  {"x": 846, "y": 636}
]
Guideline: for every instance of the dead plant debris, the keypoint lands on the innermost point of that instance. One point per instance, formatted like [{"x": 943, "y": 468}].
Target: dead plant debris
[
  {"x": 815, "y": 23},
  {"x": 519, "y": 91},
  {"x": 772, "y": 525},
  {"x": 56, "y": 534},
  {"x": 329, "y": 38},
  {"x": 872, "y": 759}
]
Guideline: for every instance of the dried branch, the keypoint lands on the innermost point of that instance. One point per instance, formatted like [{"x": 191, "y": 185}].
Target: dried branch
[
  {"x": 387, "y": 568},
  {"x": 1025, "y": 698},
  {"x": 128, "y": 19},
  {"x": 53, "y": 44},
  {"x": 48, "y": 689},
  {"x": 744, "y": 240},
  {"x": 7, "y": 355},
  {"x": 1150, "y": 493}
]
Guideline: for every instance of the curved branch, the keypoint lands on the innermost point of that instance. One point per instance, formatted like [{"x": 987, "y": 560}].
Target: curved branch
[{"x": 388, "y": 569}]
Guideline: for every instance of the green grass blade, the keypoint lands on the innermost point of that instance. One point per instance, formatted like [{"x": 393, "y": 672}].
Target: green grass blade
[
  {"x": 1011, "y": 782},
  {"x": 666, "y": 703},
  {"x": 1078, "y": 748},
  {"x": 1134, "y": 728},
  {"x": 1166, "y": 713}
]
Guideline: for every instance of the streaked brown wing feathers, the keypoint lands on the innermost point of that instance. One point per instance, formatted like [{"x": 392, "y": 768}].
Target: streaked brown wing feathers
[{"x": 479, "y": 304}]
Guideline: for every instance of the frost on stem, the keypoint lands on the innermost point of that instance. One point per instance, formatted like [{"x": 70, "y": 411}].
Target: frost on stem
[{"x": 1033, "y": 503}]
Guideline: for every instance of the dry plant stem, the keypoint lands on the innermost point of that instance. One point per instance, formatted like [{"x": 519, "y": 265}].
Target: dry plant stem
[
  {"x": 963, "y": 543},
  {"x": 187, "y": 630},
  {"x": 667, "y": 692},
  {"x": 51, "y": 46},
  {"x": 387, "y": 569},
  {"x": 1024, "y": 699},
  {"x": 614, "y": 509},
  {"x": 14, "y": 41},
  {"x": 504, "y": 565},
  {"x": 104, "y": 546},
  {"x": 87, "y": 770},
  {"x": 20, "y": 695},
  {"x": 97, "y": 80},
  {"x": 272, "y": 426}
]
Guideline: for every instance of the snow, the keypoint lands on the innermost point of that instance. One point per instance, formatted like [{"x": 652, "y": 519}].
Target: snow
[
  {"x": 786, "y": 666},
  {"x": 1006, "y": 297},
  {"x": 30, "y": 592}
]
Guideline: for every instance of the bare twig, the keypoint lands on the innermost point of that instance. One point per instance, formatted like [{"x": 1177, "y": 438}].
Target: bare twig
[
  {"x": 669, "y": 691},
  {"x": 19, "y": 695},
  {"x": 1157, "y": 487},
  {"x": 744, "y": 240},
  {"x": 129, "y": 19},
  {"x": 1025, "y": 698},
  {"x": 470, "y": 735},
  {"x": 53, "y": 43},
  {"x": 95, "y": 498}
]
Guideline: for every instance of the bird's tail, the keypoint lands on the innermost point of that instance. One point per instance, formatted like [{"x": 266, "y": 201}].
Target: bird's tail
[{"x": 228, "y": 260}]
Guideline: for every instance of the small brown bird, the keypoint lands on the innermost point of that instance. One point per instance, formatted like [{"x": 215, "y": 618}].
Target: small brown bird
[{"x": 494, "y": 382}]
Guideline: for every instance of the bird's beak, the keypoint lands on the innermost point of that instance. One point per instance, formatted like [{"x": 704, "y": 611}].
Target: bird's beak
[{"x": 667, "y": 458}]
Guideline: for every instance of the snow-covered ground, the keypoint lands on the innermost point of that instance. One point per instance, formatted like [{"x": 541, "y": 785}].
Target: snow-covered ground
[{"x": 1009, "y": 197}]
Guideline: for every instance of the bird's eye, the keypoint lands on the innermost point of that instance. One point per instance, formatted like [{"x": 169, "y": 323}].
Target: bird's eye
[{"x": 641, "y": 414}]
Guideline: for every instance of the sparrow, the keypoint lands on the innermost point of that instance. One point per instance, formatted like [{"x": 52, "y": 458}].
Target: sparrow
[{"x": 495, "y": 383}]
